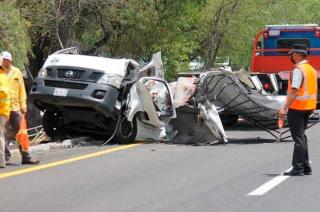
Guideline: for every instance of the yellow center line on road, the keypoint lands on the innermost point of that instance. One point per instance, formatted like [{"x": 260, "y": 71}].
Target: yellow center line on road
[{"x": 66, "y": 161}]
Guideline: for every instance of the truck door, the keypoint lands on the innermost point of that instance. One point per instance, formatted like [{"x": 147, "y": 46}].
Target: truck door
[{"x": 153, "y": 97}]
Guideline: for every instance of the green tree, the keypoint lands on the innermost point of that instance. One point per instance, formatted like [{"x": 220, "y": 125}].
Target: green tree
[
  {"x": 216, "y": 25},
  {"x": 181, "y": 29},
  {"x": 13, "y": 33},
  {"x": 49, "y": 24},
  {"x": 124, "y": 28},
  {"x": 137, "y": 29}
]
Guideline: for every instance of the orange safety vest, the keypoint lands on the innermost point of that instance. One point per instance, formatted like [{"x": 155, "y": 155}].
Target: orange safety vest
[{"x": 307, "y": 94}]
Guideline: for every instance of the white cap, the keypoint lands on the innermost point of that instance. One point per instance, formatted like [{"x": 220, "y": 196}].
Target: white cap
[
  {"x": 6, "y": 55},
  {"x": 1, "y": 62}
]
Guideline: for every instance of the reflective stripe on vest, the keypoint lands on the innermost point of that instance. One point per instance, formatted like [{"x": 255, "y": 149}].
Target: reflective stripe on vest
[
  {"x": 305, "y": 97},
  {"x": 307, "y": 94},
  {"x": 5, "y": 100}
]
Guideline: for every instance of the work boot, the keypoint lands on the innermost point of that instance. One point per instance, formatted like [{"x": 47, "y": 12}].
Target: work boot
[
  {"x": 26, "y": 157},
  {"x": 29, "y": 161},
  {"x": 294, "y": 172},
  {"x": 2, "y": 162},
  {"x": 7, "y": 152},
  {"x": 307, "y": 170}
]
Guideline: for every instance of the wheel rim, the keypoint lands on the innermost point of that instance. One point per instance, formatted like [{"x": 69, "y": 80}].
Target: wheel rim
[
  {"x": 55, "y": 119},
  {"x": 54, "y": 127},
  {"x": 126, "y": 128}
]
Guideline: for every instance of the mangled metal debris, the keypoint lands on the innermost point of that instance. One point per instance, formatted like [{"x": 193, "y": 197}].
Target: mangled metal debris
[
  {"x": 197, "y": 119},
  {"x": 121, "y": 100},
  {"x": 242, "y": 94}
]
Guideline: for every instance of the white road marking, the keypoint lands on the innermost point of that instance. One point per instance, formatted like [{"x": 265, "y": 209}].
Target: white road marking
[{"x": 263, "y": 189}]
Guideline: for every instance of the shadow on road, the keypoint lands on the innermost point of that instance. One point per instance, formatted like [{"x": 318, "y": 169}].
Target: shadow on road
[
  {"x": 271, "y": 175},
  {"x": 255, "y": 141},
  {"x": 242, "y": 126},
  {"x": 12, "y": 164}
]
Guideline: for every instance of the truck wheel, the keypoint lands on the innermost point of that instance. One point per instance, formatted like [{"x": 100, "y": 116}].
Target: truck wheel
[
  {"x": 127, "y": 131},
  {"x": 232, "y": 120},
  {"x": 51, "y": 124},
  {"x": 229, "y": 120}
]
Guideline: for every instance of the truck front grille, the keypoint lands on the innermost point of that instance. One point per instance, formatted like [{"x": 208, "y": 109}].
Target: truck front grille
[
  {"x": 62, "y": 84},
  {"x": 69, "y": 74},
  {"x": 74, "y": 74},
  {"x": 95, "y": 76},
  {"x": 49, "y": 72}
]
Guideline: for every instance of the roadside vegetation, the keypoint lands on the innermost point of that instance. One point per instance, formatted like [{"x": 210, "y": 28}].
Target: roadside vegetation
[{"x": 182, "y": 29}]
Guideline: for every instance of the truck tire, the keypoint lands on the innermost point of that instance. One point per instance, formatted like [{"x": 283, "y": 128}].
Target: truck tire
[
  {"x": 127, "y": 131},
  {"x": 51, "y": 124},
  {"x": 229, "y": 119},
  {"x": 233, "y": 120}
]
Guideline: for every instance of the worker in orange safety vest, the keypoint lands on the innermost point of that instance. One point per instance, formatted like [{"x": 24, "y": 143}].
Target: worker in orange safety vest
[{"x": 300, "y": 103}]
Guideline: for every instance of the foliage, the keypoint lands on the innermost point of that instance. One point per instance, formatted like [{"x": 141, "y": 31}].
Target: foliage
[
  {"x": 181, "y": 29},
  {"x": 13, "y": 33},
  {"x": 141, "y": 28},
  {"x": 49, "y": 24},
  {"x": 216, "y": 26}
]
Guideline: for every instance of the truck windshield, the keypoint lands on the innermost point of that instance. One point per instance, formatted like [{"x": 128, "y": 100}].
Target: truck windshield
[{"x": 287, "y": 44}]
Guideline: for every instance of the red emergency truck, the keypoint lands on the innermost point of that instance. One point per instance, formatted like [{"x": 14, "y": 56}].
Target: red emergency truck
[{"x": 271, "y": 46}]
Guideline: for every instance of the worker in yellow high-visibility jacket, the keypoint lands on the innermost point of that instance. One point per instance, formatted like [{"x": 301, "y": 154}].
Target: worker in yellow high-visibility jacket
[
  {"x": 18, "y": 106},
  {"x": 4, "y": 110}
]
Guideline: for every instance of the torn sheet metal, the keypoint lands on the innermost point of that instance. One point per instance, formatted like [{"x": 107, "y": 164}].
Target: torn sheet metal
[
  {"x": 196, "y": 122},
  {"x": 150, "y": 133},
  {"x": 182, "y": 90},
  {"x": 193, "y": 128},
  {"x": 210, "y": 115},
  {"x": 155, "y": 66}
]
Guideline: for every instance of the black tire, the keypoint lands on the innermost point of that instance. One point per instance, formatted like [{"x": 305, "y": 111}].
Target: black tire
[
  {"x": 127, "y": 131},
  {"x": 229, "y": 120},
  {"x": 52, "y": 125}
]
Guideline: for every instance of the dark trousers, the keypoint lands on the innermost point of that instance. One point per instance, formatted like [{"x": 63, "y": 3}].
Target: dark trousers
[{"x": 298, "y": 122}]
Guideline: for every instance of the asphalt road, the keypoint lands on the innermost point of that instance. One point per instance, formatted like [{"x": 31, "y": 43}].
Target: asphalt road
[{"x": 164, "y": 177}]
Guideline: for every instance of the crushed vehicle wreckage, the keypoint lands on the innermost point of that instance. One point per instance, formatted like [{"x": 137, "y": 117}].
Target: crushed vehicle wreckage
[
  {"x": 123, "y": 101},
  {"x": 218, "y": 93},
  {"x": 198, "y": 121},
  {"x": 242, "y": 94},
  {"x": 115, "y": 98}
]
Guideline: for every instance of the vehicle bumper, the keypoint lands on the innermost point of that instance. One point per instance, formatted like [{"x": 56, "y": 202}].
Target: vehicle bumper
[{"x": 43, "y": 95}]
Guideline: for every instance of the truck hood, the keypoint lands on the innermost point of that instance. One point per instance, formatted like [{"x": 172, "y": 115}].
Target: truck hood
[{"x": 106, "y": 65}]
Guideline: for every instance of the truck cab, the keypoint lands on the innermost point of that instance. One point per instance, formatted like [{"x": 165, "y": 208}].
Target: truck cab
[{"x": 272, "y": 44}]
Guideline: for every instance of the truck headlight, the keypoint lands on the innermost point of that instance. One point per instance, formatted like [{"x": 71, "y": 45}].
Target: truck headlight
[
  {"x": 43, "y": 73},
  {"x": 111, "y": 79}
]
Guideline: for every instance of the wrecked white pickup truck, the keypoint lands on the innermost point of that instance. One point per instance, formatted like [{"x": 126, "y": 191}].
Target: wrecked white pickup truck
[
  {"x": 112, "y": 98},
  {"x": 117, "y": 99}
]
